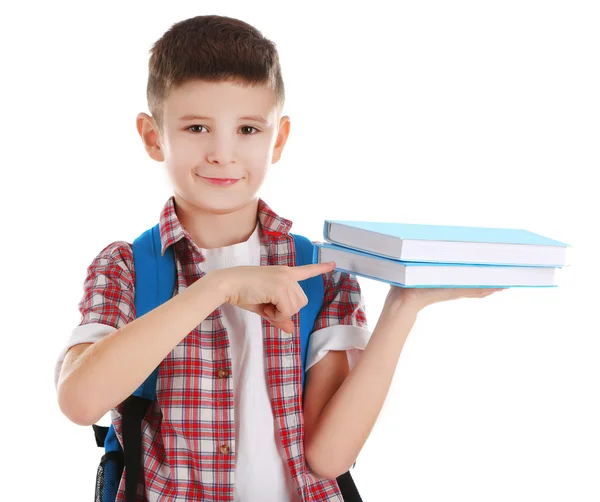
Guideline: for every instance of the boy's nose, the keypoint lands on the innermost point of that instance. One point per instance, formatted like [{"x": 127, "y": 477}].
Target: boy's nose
[
  {"x": 220, "y": 153},
  {"x": 218, "y": 160}
]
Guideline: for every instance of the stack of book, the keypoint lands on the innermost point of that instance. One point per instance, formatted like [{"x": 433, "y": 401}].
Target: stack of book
[{"x": 436, "y": 256}]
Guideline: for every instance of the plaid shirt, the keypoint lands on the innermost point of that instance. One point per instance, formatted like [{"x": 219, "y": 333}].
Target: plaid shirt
[{"x": 188, "y": 434}]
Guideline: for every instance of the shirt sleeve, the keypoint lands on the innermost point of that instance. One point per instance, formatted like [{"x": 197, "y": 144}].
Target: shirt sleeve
[
  {"x": 107, "y": 303},
  {"x": 342, "y": 322}
]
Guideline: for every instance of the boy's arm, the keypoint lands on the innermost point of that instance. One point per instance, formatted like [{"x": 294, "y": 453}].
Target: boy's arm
[
  {"x": 97, "y": 377},
  {"x": 342, "y": 410},
  {"x": 342, "y": 406}
]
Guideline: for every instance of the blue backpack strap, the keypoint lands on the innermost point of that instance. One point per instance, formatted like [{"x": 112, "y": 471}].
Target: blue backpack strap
[
  {"x": 154, "y": 285},
  {"x": 314, "y": 290}
]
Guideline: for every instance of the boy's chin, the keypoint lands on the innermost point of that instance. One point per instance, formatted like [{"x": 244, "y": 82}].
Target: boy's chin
[{"x": 221, "y": 204}]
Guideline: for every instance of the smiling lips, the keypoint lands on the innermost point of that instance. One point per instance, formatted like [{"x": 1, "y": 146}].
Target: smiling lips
[{"x": 221, "y": 181}]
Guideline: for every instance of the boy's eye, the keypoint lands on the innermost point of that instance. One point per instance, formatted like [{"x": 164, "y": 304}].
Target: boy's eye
[
  {"x": 245, "y": 128},
  {"x": 194, "y": 128}
]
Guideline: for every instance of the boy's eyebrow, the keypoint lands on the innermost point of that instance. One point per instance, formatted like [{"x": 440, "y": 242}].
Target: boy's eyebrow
[{"x": 255, "y": 118}]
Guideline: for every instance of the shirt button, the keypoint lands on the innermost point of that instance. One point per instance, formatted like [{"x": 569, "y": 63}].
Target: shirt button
[
  {"x": 223, "y": 373},
  {"x": 224, "y": 449}
]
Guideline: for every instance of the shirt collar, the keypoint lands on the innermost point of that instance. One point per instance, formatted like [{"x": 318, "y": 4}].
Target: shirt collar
[{"x": 172, "y": 231}]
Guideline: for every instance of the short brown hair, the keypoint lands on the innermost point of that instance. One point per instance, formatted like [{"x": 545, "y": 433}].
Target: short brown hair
[{"x": 215, "y": 49}]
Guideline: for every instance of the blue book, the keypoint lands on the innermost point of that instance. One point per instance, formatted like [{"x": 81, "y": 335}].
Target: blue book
[
  {"x": 447, "y": 244},
  {"x": 432, "y": 275}
]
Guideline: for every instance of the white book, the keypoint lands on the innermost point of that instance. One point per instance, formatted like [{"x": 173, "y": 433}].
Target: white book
[
  {"x": 447, "y": 244},
  {"x": 433, "y": 275}
]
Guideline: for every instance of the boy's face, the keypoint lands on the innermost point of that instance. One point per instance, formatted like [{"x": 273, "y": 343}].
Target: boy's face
[{"x": 222, "y": 131}]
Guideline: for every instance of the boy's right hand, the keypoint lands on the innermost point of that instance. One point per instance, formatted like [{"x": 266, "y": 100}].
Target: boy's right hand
[{"x": 270, "y": 291}]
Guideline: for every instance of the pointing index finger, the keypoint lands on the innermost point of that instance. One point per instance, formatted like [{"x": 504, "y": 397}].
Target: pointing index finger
[{"x": 307, "y": 271}]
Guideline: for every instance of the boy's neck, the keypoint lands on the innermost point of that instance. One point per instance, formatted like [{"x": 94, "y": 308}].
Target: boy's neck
[{"x": 210, "y": 230}]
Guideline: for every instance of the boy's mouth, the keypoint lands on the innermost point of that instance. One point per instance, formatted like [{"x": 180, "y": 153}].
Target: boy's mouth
[{"x": 221, "y": 181}]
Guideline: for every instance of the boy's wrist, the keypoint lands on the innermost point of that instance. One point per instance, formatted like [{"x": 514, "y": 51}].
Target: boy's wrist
[{"x": 216, "y": 281}]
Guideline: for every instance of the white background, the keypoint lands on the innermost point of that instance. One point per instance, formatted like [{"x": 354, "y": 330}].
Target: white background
[{"x": 462, "y": 113}]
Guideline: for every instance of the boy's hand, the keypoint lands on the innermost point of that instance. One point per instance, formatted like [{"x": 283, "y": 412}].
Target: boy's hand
[
  {"x": 419, "y": 298},
  {"x": 270, "y": 291}
]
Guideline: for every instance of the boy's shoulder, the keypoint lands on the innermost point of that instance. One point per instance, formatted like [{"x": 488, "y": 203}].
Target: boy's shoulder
[
  {"x": 117, "y": 250},
  {"x": 116, "y": 254}
]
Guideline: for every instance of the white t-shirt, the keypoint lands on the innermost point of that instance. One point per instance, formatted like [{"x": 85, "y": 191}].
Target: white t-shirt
[{"x": 261, "y": 472}]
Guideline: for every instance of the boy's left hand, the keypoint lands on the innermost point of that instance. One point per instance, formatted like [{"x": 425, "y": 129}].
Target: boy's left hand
[{"x": 419, "y": 298}]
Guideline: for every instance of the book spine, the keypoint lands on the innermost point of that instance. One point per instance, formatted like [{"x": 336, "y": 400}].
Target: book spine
[
  {"x": 315, "y": 258},
  {"x": 326, "y": 227}
]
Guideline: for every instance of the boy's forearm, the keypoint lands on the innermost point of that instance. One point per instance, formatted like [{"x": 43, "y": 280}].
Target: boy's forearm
[
  {"x": 349, "y": 417},
  {"x": 112, "y": 368}
]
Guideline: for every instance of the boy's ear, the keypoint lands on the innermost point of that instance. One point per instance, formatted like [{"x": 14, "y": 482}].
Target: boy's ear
[
  {"x": 149, "y": 132},
  {"x": 282, "y": 136}
]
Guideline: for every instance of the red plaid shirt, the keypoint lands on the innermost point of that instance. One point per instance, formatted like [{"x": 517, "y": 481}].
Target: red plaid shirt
[{"x": 188, "y": 435}]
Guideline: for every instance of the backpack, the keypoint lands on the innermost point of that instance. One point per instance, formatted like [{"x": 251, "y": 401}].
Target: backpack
[{"x": 154, "y": 285}]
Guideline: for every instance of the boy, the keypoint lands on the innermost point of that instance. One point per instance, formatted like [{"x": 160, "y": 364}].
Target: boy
[{"x": 229, "y": 422}]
